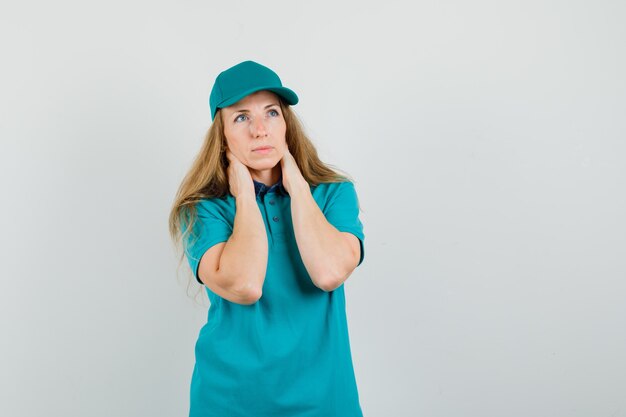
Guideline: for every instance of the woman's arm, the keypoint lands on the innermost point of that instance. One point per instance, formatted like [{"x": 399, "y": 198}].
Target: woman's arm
[
  {"x": 329, "y": 255},
  {"x": 238, "y": 272}
]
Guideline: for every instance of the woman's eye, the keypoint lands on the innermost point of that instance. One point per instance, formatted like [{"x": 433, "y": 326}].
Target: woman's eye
[
  {"x": 239, "y": 118},
  {"x": 274, "y": 113}
]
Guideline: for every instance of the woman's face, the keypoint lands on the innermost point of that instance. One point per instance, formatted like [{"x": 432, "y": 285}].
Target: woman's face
[{"x": 256, "y": 121}]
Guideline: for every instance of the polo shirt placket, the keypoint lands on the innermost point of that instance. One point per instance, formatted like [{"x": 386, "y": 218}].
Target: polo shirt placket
[{"x": 275, "y": 205}]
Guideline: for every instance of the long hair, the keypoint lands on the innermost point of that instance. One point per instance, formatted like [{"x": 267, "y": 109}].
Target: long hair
[{"x": 207, "y": 178}]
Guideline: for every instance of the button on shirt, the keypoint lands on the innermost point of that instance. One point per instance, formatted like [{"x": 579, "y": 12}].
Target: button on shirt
[{"x": 288, "y": 354}]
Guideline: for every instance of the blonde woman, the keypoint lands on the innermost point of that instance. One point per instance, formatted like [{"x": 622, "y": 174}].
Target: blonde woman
[{"x": 272, "y": 233}]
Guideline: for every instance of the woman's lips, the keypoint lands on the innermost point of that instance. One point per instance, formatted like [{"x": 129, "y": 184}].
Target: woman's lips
[{"x": 263, "y": 150}]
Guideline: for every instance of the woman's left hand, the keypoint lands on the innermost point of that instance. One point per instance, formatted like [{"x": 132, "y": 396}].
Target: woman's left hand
[{"x": 292, "y": 177}]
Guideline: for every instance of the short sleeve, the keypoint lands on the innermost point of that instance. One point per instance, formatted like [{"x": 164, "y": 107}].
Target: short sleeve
[
  {"x": 211, "y": 227},
  {"x": 342, "y": 211}
]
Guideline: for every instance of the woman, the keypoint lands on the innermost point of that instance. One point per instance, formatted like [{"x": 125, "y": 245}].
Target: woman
[{"x": 272, "y": 233}]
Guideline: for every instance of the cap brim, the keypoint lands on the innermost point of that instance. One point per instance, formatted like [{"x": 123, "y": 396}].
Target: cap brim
[{"x": 288, "y": 95}]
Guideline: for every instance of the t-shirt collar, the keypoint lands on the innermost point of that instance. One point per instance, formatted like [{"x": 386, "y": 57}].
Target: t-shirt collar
[{"x": 260, "y": 188}]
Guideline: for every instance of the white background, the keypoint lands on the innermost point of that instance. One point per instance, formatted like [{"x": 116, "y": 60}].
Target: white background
[{"x": 486, "y": 139}]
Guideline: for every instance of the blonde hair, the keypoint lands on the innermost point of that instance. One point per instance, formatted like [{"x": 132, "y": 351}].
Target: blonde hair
[{"x": 207, "y": 178}]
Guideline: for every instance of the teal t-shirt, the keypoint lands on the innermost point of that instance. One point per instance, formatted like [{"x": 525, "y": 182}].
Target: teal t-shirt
[{"x": 288, "y": 354}]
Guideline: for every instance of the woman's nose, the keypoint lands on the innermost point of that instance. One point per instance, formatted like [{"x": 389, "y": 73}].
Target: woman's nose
[{"x": 258, "y": 127}]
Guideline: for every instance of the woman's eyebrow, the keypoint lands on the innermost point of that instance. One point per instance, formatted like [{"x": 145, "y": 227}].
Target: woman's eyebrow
[{"x": 246, "y": 110}]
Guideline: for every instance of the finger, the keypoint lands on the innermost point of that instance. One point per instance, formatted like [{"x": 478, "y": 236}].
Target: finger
[{"x": 230, "y": 156}]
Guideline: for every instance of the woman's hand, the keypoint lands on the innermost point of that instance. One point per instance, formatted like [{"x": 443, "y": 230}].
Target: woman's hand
[
  {"x": 292, "y": 177},
  {"x": 239, "y": 178}
]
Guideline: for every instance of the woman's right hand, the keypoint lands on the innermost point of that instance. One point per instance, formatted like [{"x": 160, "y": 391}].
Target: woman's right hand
[{"x": 239, "y": 178}]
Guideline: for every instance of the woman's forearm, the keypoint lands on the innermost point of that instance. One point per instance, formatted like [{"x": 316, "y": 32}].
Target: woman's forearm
[
  {"x": 325, "y": 253},
  {"x": 243, "y": 263}
]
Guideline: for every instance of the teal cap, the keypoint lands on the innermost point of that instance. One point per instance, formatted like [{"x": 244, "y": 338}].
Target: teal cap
[{"x": 245, "y": 78}]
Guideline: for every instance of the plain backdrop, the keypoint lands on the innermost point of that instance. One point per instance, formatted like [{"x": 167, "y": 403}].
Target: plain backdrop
[{"x": 487, "y": 141}]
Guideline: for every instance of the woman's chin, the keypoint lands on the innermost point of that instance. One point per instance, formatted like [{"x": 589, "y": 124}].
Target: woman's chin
[{"x": 263, "y": 164}]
